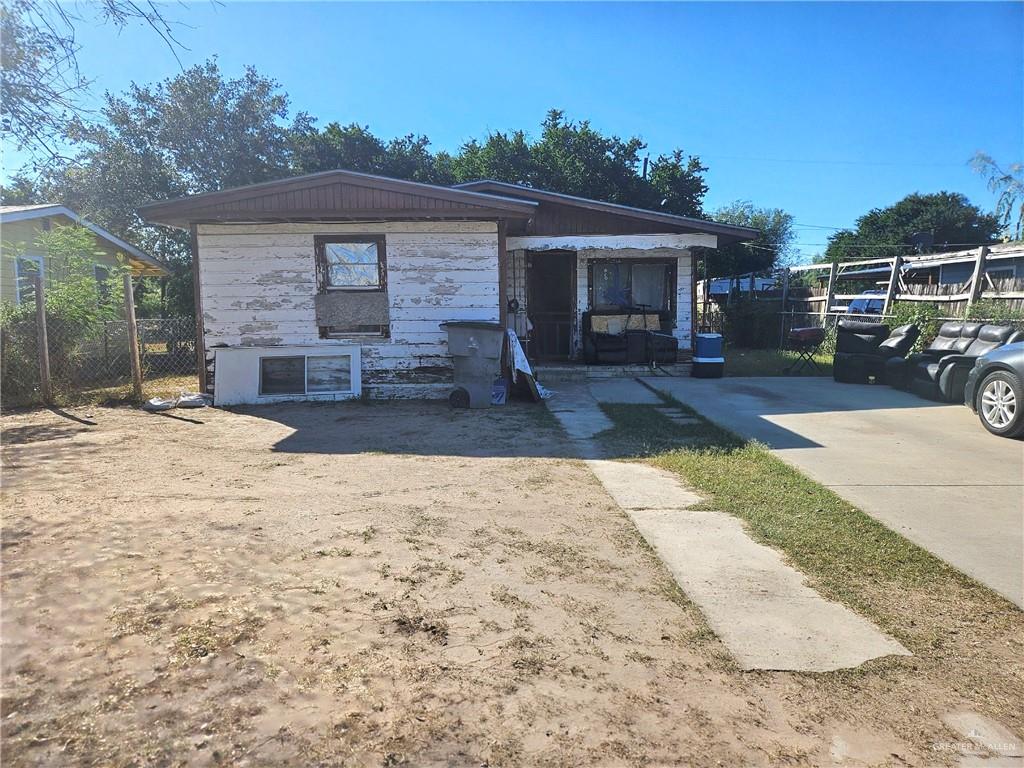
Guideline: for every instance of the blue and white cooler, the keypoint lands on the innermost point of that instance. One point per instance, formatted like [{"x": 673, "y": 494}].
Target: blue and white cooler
[{"x": 708, "y": 362}]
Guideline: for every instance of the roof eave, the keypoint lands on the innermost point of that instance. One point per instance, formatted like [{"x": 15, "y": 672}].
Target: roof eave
[
  {"x": 151, "y": 266},
  {"x": 727, "y": 233},
  {"x": 190, "y": 208}
]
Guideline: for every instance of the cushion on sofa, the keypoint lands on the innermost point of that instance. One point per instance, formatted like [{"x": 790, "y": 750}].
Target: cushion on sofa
[
  {"x": 900, "y": 341},
  {"x": 954, "y": 338},
  {"x": 989, "y": 337}
]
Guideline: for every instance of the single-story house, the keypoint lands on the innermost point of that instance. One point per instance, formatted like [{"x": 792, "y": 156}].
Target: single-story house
[
  {"x": 23, "y": 257},
  {"x": 335, "y": 284}
]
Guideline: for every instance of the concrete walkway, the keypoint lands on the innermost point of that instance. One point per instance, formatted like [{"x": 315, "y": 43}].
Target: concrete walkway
[
  {"x": 758, "y": 605},
  {"x": 927, "y": 470}
]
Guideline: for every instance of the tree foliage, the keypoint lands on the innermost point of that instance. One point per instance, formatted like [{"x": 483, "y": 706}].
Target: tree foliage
[
  {"x": 201, "y": 131},
  {"x": 773, "y": 247},
  {"x": 949, "y": 217},
  {"x": 40, "y": 83},
  {"x": 1008, "y": 186},
  {"x": 196, "y": 132}
]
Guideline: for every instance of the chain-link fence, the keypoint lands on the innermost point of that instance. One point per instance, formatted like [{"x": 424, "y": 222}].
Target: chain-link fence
[{"x": 93, "y": 362}]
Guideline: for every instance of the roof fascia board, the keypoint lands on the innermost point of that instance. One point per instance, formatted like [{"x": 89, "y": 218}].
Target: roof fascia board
[
  {"x": 613, "y": 208},
  {"x": 61, "y": 210},
  {"x": 469, "y": 197}
]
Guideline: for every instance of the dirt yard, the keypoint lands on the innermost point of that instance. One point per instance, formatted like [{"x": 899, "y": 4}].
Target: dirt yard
[{"x": 381, "y": 585}]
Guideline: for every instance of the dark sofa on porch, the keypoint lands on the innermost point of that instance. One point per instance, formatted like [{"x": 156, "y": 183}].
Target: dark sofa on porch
[{"x": 627, "y": 337}]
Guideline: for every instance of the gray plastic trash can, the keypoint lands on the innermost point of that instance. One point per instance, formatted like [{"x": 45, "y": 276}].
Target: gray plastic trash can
[{"x": 475, "y": 348}]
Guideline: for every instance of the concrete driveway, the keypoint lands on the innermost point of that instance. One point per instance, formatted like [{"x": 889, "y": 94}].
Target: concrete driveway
[{"x": 927, "y": 470}]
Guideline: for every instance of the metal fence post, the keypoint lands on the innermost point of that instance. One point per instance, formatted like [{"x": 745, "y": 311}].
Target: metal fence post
[
  {"x": 133, "y": 337},
  {"x": 45, "y": 385}
]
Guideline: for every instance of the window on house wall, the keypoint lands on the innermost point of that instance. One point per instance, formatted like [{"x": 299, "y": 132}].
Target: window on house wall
[
  {"x": 102, "y": 274},
  {"x": 351, "y": 263},
  {"x": 305, "y": 374},
  {"x": 628, "y": 284},
  {"x": 27, "y": 269}
]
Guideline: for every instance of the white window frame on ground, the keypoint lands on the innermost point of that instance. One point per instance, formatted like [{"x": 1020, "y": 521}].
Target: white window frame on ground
[
  {"x": 40, "y": 263},
  {"x": 237, "y": 374},
  {"x": 305, "y": 376}
]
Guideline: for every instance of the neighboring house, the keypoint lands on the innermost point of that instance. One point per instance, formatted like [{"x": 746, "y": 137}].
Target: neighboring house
[
  {"x": 23, "y": 258},
  {"x": 335, "y": 284}
]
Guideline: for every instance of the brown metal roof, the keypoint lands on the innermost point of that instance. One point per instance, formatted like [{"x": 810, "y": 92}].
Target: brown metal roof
[
  {"x": 335, "y": 195},
  {"x": 565, "y": 214}
]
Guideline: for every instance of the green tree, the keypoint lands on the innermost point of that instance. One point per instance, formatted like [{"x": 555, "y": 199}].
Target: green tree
[
  {"x": 20, "y": 190},
  {"x": 41, "y": 85},
  {"x": 196, "y": 132},
  {"x": 773, "y": 247},
  {"x": 576, "y": 159},
  {"x": 1008, "y": 186},
  {"x": 76, "y": 306},
  {"x": 949, "y": 217},
  {"x": 354, "y": 148}
]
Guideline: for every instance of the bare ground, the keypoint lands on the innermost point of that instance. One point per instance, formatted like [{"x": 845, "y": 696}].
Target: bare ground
[{"x": 393, "y": 584}]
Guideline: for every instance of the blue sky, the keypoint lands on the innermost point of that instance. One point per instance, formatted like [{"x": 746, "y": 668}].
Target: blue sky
[{"x": 825, "y": 110}]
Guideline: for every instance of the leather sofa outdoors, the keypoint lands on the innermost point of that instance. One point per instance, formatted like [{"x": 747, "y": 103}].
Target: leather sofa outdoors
[
  {"x": 940, "y": 371},
  {"x": 863, "y": 350}
]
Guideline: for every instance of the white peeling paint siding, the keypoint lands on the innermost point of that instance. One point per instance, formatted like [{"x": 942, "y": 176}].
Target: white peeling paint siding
[{"x": 258, "y": 283}]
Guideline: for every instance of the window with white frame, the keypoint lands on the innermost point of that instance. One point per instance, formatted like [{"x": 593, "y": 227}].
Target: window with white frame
[
  {"x": 26, "y": 269},
  {"x": 305, "y": 375}
]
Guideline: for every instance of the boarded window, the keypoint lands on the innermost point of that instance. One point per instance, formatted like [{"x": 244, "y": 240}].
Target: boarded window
[
  {"x": 301, "y": 374},
  {"x": 351, "y": 263}
]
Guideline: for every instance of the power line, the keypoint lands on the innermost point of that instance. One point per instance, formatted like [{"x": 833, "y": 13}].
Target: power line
[
  {"x": 896, "y": 164},
  {"x": 820, "y": 226}
]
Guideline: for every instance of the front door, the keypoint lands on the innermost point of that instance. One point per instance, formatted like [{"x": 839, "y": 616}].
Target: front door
[{"x": 551, "y": 302}]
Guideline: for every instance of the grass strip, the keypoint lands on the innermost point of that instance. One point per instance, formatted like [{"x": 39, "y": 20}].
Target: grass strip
[{"x": 847, "y": 555}]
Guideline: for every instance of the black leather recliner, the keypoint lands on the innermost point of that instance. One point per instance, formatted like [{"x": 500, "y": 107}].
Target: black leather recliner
[
  {"x": 940, "y": 371},
  {"x": 863, "y": 349}
]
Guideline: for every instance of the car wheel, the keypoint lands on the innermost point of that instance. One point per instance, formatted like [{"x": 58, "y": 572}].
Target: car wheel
[{"x": 1001, "y": 404}]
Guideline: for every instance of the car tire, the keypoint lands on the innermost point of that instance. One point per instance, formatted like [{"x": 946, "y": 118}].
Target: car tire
[{"x": 1000, "y": 404}]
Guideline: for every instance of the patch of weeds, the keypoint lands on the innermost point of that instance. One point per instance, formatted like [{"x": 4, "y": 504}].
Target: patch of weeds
[
  {"x": 198, "y": 640},
  {"x": 148, "y": 617},
  {"x": 333, "y": 552},
  {"x": 428, "y": 569},
  {"x": 562, "y": 558},
  {"x": 502, "y": 595},
  {"x": 135, "y": 620},
  {"x": 321, "y": 587},
  {"x": 368, "y": 533},
  {"x": 640, "y": 658},
  {"x": 435, "y": 628}
]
